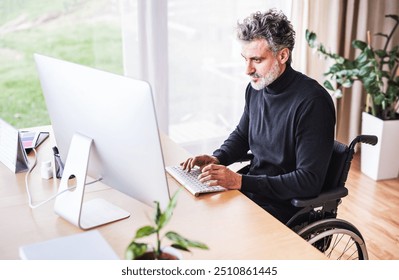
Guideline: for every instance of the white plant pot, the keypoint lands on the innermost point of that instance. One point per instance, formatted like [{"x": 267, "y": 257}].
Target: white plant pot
[{"x": 381, "y": 161}]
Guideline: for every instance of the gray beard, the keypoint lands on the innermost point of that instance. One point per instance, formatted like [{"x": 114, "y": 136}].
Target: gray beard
[{"x": 266, "y": 80}]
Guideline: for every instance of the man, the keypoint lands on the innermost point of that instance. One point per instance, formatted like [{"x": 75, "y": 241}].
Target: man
[{"x": 288, "y": 124}]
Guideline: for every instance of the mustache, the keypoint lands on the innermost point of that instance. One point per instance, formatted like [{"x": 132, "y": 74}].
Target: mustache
[{"x": 255, "y": 75}]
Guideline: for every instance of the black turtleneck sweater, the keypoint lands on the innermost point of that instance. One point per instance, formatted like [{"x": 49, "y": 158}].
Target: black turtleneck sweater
[{"x": 289, "y": 128}]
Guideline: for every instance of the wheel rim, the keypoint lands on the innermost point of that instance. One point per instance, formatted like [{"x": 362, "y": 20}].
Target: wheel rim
[
  {"x": 342, "y": 244},
  {"x": 336, "y": 238}
]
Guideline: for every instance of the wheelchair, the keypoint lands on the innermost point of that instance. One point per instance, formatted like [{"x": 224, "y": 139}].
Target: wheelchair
[{"x": 316, "y": 220}]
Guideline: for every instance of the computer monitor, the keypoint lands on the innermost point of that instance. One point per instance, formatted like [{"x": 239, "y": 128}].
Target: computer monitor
[{"x": 104, "y": 125}]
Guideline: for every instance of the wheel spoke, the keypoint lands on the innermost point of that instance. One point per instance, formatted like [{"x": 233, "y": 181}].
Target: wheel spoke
[{"x": 336, "y": 238}]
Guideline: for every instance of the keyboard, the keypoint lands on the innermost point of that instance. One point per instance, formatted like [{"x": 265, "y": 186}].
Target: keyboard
[{"x": 190, "y": 181}]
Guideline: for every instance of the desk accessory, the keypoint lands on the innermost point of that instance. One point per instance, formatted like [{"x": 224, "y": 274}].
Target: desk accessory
[
  {"x": 59, "y": 165},
  {"x": 33, "y": 139},
  {"x": 12, "y": 153},
  {"x": 89, "y": 245},
  {"x": 46, "y": 170}
]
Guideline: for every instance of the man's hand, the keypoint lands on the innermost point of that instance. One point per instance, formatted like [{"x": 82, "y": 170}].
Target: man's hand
[
  {"x": 220, "y": 175},
  {"x": 200, "y": 161}
]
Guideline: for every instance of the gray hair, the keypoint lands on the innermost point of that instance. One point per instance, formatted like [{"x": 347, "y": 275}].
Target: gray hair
[{"x": 273, "y": 26}]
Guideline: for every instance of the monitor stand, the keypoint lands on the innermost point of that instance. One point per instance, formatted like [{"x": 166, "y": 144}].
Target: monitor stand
[{"x": 69, "y": 205}]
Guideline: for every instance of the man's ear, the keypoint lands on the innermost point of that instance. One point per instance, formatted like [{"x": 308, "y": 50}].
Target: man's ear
[{"x": 283, "y": 55}]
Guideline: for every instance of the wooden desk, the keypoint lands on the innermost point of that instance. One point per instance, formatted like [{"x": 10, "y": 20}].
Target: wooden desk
[{"x": 230, "y": 224}]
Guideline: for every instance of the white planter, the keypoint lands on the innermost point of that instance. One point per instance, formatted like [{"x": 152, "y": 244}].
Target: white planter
[{"x": 382, "y": 160}]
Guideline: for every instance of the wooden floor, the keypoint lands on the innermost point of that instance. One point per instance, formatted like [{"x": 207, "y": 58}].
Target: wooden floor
[{"x": 373, "y": 207}]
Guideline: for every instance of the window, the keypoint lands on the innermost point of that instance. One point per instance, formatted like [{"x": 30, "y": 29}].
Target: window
[
  {"x": 83, "y": 31},
  {"x": 206, "y": 70},
  {"x": 205, "y": 84}
]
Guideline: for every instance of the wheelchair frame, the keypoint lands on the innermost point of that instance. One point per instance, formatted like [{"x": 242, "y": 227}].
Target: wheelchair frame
[{"x": 317, "y": 222}]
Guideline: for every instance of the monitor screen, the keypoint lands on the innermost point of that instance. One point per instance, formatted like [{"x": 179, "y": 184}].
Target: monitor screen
[{"x": 118, "y": 115}]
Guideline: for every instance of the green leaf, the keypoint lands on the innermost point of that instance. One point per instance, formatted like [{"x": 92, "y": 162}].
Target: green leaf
[
  {"x": 378, "y": 100},
  {"x": 175, "y": 237},
  {"x": 392, "y": 90},
  {"x": 359, "y": 44},
  {"x": 158, "y": 213},
  {"x": 328, "y": 85},
  {"x": 374, "y": 68},
  {"x": 179, "y": 247},
  {"x": 381, "y": 53},
  {"x": 348, "y": 83},
  {"x": 307, "y": 33},
  {"x": 365, "y": 71},
  {"x": 145, "y": 231},
  {"x": 184, "y": 242},
  {"x": 337, "y": 93},
  {"x": 167, "y": 215},
  {"x": 310, "y": 38},
  {"x": 340, "y": 60},
  {"x": 135, "y": 250},
  {"x": 369, "y": 83},
  {"x": 335, "y": 68},
  {"x": 369, "y": 52},
  {"x": 322, "y": 49},
  {"x": 362, "y": 58},
  {"x": 393, "y": 59}
]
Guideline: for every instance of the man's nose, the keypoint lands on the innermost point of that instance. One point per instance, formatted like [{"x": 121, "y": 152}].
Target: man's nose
[{"x": 249, "y": 69}]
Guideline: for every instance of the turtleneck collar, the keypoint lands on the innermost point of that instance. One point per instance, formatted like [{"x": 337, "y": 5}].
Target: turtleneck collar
[{"x": 282, "y": 82}]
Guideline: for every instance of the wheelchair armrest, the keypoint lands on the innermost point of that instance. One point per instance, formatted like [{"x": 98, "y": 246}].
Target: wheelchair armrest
[{"x": 319, "y": 200}]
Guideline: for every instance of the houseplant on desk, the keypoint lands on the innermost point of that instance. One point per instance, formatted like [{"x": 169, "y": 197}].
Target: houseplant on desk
[
  {"x": 143, "y": 251},
  {"x": 378, "y": 71}
]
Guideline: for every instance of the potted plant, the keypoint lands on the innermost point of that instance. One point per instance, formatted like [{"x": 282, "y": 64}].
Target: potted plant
[
  {"x": 144, "y": 251},
  {"x": 378, "y": 71}
]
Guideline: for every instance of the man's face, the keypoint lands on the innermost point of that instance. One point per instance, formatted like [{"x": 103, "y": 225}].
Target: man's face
[{"x": 262, "y": 65}]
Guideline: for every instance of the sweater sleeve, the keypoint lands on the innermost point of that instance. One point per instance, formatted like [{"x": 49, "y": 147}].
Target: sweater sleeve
[{"x": 314, "y": 140}]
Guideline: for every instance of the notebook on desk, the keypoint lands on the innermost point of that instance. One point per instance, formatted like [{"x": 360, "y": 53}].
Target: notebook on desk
[
  {"x": 89, "y": 245},
  {"x": 33, "y": 139}
]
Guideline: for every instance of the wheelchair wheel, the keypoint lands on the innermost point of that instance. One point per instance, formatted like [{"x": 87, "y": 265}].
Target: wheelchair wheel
[{"x": 337, "y": 239}]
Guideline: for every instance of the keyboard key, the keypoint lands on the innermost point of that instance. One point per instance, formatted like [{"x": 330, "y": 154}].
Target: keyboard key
[{"x": 190, "y": 181}]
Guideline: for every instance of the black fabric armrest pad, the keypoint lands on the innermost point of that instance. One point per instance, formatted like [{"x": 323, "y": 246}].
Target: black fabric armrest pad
[{"x": 319, "y": 200}]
